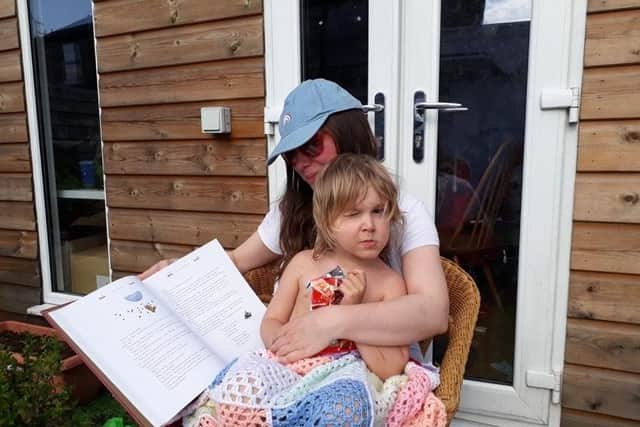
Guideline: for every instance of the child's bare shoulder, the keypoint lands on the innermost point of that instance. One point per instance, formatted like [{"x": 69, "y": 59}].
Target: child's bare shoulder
[
  {"x": 305, "y": 256},
  {"x": 297, "y": 267},
  {"x": 301, "y": 261}
]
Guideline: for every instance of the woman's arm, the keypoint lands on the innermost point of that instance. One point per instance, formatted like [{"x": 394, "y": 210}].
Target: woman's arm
[
  {"x": 421, "y": 314},
  {"x": 252, "y": 253}
]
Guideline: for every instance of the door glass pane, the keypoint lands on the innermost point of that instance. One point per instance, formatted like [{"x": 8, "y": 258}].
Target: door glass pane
[
  {"x": 69, "y": 127},
  {"x": 335, "y": 43},
  {"x": 484, "y": 50}
]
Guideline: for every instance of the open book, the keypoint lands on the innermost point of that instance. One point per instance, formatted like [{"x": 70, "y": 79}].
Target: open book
[{"x": 156, "y": 344}]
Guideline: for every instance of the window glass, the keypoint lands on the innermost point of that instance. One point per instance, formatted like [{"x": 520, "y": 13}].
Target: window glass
[
  {"x": 335, "y": 43},
  {"x": 70, "y": 143},
  {"x": 484, "y": 52}
]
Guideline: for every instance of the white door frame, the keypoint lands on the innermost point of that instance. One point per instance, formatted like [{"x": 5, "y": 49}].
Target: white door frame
[{"x": 555, "y": 61}]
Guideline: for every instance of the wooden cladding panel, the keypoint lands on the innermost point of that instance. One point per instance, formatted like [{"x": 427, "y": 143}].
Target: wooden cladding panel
[
  {"x": 186, "y": 228},
  {"x": 13, "y": 128},
  {"x": 126, "y": 16},
  {"x": 608, "y": 5},
  {"x": 607, "y": 197},
  {"x": 19, "y": 271},
  {"x": 180, "y": 121},
  {"x": 613, "y": 38},
  {"x": 19, "y": 244},
  {"x": 604, "y": 296},
  {"x": 611, "y": 93},
  {"x": 240, "y": 78},
  {"x": 138, "y": 256},
  {"x": 15, "y": 158},
  {"x": 17, "y": 299},
  {"x": 573, "y": 418},
  {"x": 9, "y": 34},
  {"x": 603, "y": 344},
  {"x": 238, "y": 157},
  {"x": 16, "y": 187},
  {"x": 602, "y": 391},
  {"x": 10, "y": 66},
  {"x": 11, "y": 97},
  {"x": 17, "y": 216},
  {"x": 194, "y": 43},
  {"x": 609, "y": 146},
  {"x": 602, "y": 247},
  {"x": 7, "y": 8},
  {"x": 219, "y": 194}
]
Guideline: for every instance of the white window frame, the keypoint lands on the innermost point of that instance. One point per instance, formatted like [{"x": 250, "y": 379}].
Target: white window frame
[
  {"x": 545, "y": 238},
  {"x": 49, "y": 296}
]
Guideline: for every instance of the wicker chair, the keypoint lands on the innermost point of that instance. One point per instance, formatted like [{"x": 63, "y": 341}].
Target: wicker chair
[{"x": 464, "y": 303}]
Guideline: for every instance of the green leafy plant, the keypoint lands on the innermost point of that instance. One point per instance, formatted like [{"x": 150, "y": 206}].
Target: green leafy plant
[
  {"x": 100, "y": 411},
  {"x": 28, "y": 394}
]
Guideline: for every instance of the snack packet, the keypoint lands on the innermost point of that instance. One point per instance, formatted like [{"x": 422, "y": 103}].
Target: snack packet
[{"x": 325, "y": 290}]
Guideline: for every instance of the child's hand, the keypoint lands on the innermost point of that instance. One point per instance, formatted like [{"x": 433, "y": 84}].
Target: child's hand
[{"x": 353, "y": 286}]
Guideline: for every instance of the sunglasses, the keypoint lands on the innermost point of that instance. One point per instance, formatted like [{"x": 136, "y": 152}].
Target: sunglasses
[{"x": 311, "y": 149}]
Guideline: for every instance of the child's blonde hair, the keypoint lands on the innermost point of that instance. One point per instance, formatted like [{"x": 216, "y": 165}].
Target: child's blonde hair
[{"x": 343, "y": 183}]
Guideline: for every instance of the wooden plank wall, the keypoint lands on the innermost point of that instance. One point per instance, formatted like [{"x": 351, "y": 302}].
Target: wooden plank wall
[
  {"x": 169, "y": 187},
  {"x": 20, "y": 283},
  {"x": 602, "y": 362}
]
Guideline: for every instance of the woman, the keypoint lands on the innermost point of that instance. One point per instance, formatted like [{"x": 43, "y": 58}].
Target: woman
[{"x": 319, "y": 120}]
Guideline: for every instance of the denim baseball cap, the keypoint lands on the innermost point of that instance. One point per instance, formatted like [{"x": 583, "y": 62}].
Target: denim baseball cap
[{"x": 306, "y": 108}]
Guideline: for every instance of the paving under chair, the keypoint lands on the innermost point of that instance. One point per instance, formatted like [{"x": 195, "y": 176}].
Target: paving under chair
[{"x": 464, "y": 303}]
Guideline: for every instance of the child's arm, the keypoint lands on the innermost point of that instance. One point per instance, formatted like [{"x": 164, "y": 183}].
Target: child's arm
[
  {"x": 386, "y": 361},
  {"x": 281, "y": 306}
]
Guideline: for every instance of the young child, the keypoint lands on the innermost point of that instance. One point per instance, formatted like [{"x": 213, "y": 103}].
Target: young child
[
  {"x": 355, "y": 211},
  {"x": 356, "y": 214}
]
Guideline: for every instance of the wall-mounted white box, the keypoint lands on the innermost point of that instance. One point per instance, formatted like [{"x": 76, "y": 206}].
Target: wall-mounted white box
[{"x": 215, "y": 119}]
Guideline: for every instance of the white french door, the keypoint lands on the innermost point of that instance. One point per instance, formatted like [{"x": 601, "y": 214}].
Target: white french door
[{"x": 478, "y": 124}]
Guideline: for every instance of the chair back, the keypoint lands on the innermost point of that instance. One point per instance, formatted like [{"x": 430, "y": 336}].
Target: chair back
[
  {"x": 464, "y": 304},
  {"x": 475, "y": 230},
  {"x": 262, "y": 280}
]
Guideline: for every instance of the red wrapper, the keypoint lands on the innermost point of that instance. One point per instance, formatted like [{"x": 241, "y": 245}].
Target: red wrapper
[{"x": 325, "y": 291}]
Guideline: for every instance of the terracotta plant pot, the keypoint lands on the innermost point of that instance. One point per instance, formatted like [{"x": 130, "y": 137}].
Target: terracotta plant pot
[{"x": 84, "y": 385}]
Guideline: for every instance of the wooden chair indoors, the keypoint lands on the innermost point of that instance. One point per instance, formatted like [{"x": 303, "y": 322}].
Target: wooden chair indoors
[
  {"x": 472, "y": 243},
  {"x": 464, "y": 303}
]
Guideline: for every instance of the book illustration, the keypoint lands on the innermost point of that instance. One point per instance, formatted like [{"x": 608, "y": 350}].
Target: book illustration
[
  {"x": 142, "y": 307},
  {"x": 134, "y": 297}
]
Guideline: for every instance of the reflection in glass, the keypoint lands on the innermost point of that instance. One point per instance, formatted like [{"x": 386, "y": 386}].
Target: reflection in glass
[
  {"x": 335, "y": 43},
  {"x": 483, "y": 66},
  {"x": 67, "y": 101}
]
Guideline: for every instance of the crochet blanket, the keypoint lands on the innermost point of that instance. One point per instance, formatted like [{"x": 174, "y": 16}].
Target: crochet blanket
[{"x": 335, "y": 390}]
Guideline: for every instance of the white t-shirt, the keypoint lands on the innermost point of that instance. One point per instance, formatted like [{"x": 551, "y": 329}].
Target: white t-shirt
[{"x": 418, "y": 230}]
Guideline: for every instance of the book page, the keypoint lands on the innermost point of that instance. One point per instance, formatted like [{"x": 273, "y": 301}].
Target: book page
[
  {"x": 209, "y": 294},
  {"x": 148, "y": 354}
]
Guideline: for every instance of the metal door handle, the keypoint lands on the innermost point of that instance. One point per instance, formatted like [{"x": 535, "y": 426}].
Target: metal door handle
[
  {"x": 378, "y": 121},
  {"x": 441, "y": 106},
  {"x": 420, "y": 105},
  {"x": 373, "y": 107}
]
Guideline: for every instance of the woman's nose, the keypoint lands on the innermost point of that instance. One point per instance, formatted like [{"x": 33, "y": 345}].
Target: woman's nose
[{"x": 297, "y": 159}]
